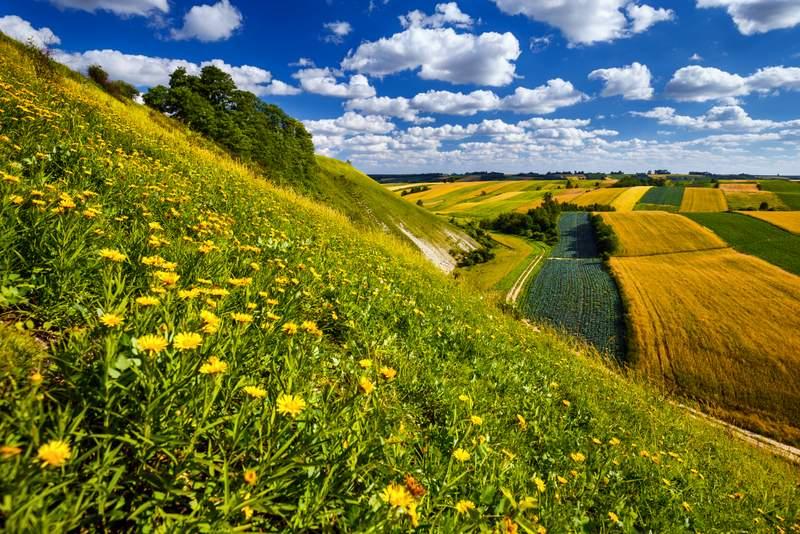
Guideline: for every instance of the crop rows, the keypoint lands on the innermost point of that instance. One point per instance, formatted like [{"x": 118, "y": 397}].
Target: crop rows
[{"x": 669, "y": 196}]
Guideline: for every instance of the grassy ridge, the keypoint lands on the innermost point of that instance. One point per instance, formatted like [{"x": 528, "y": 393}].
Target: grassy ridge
[
  {"x": 752, "y": 236},
  {"x": 103, "y": 428}
]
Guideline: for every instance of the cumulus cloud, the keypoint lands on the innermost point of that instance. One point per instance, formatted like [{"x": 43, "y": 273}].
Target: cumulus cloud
[
  {"x": 323, "y": 81},
  {"x": 22, "y": 30},
  {"x": 631, "y": 82},
  {"x": 544, "y": 99},
  {"x": 148, "y": 71},
  {"x": 118, "y": 7},
  {"x": 717, "y": 118},
  {"x": 700, "y": 84},
  {"x": 758, "y": 16},
  {"x": 209, "y": 23},
  {"x": 449, "y": 103},
  {"x": 350, "y": 123},
  {"x": 399, "y": 107},
  {"x": 593, "y": 21},
  {"x": 446, "y": 14},
  {"x": 337, "y": 31},
  {"x": 439, "y": 53}
]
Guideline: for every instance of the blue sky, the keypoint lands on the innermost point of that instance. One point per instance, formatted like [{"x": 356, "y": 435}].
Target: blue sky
[{"x": 504, "y": 85}]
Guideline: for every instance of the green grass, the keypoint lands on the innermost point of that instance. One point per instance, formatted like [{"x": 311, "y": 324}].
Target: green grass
[
  {"x": 788, "y": 192},
  {"x": 162, "y": 441},
  {"x": 752, "y": 236},
  {"x": 664, "y": 196}
]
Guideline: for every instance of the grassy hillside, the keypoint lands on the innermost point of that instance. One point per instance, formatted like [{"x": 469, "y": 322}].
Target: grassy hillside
[{"x": 188, "y": 348}]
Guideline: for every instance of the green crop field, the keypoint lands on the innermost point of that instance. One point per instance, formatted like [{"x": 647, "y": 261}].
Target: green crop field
[
  {"x": 661, "y": 198},
  {"x": 755, "y": 237},
  {"x": 573, "y": 290},
  {"x": 788, "y": 192}
]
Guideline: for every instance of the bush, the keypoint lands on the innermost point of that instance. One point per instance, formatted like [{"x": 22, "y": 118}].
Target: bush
[{"x": 607, "y": 242}]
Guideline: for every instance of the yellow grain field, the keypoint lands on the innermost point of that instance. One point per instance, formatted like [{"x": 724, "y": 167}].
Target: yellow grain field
[
  {"x": 788, "y": 220},
  {"x": 720, "y": 326},
  {"x": 603, "y": 196},
  {"x": 644, "y": 233},
  {"x": 740, "y": 188},
  {"x": 629, "y": 197},
  {"x": 701, "y": 199}
]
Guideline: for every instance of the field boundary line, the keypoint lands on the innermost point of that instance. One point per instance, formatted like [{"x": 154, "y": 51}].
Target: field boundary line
[
  {"x": 513, "y": 293},
  {"x": 762, "y": 442}
]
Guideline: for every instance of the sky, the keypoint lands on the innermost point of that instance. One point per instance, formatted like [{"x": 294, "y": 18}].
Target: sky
[{"x": 407, "y": 86}]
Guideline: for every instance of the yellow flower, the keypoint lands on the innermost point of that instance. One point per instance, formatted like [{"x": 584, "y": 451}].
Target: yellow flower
[
  {"x": 155, "y": 226},
  {"x": 240, "y": 282},
  {"x": 476, "y": 420},
  {"x": 9, "y": 451},
  {"x": 211, "y": 322},
  {"x": 189, "y": 294},
  {"x": 250, "y": 477},
  {"x": 463, "y": 398},
  {"x": 526, "y": 503},
  {"x": 686, "y": 506},
  {"x": 111, "y": 320},
  {"x": 247, "y": 511},
  {"x": 255, "y": 392},
  {"x": 243, "y": 318},
  {"x": 388, "y": 373},
  {"x": 566, "y": 403},
  {"x": 397, "y": 495},
  {"x": 523, "y": 424},
  {"x": 613, "y": 442},
  {"x": 561, "y": 479},
  {"x": 148, "y": 301},
  {"x": 461, "y": 455},
  {"x": 577, "y": 457},
  {"x": 613, "y": 517},
  {"x": 310, "y": 327},
  {"x": 365, "y": 363},
  {"x": 151, "y": 343},
  {"x": 540, "y": 485},
  {"x": 289, "y": 328},
  {"x": 37, "y": 377},
  {"x": 54, "y": 453},
  {"x": 290, "y": 404},
  {"x": 168, "y": 278},
  {"x": 366, "y": 385},
  {"x": 213, "y": 366},
  {"x": 112, "y": 255},
  {"x": 464, "y": 506},
  {"x": 187, "y": 340},
  {"x": 16, "y": 199}
]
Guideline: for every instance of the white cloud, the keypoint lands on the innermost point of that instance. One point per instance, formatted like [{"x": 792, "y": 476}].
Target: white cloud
[
  {"x": 541, "y": 122},
  {"x": 324, "y": 82},
  {"x": 209, "y": 23},
  {"x": 731, "y": 118},
  {"x": 118, "y": 7},
  {"x": 148, "y": 71},
  {"x": 697, "y": 58},
  {"x": 350, "y": 123},
  {"x": 399, "y": 107},
  {"x": 440, "y": 54},
  {"x": 449, "y": 103},
  {"x": 446, "y": 14},
  {"x": 758, "y": 16},
  {"x": 700, "y": 84},
  {"x": 591, "y": 21},
  {"x": 337, "y": 31},
  {"x": 538, "y": 44},
  {"x": 631, "y": 82},
  {"x": 645, "y": 16},
  {"x": 22, "y": 30},
  {"x": 543, "y": 99}
]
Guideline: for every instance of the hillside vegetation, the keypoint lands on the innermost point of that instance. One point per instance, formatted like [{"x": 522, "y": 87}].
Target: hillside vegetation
[{"x": 186, "y": 347}]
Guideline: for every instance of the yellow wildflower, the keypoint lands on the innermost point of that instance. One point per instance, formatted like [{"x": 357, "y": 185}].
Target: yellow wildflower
[
  {"x": 250, "y": 477},
  {"x": 561, "y": 479},
  {"x": 365, "y": 363},
  {"x": 9, "y": 451},
  {"x": 463, "y": 398},
  {"x": 255, "y": 392},
  {"x": 168, "y": 278},
  {"x": 54, "y": 453},
  {"x": 366, "y": 385},
  {"x": 464, "y": 506},
  {"x": 213, "y": 366},
  {"x": 388, "y": 373},
  {"x": 397, "y": 495},
  {"x": 310, "y": 327},
  {"x": 476, "y": 420},
  {"x": 289, "y": 328},
  {"x": 613, "y": 442},
  {"x": 36, "y": 378},
  {"x": 523, "y": 424},
  {"x": 540, "y": 485},
  {"x": 461, "y": 455},
  {"x": 112, "y": 255},
  {"x": 187, "y": 340},
  {"x": 16, "y": 199},
  {"x": 151, "y": 343},
  {"x": 577, "y": 457},
  {"x": 566, "y": 403},
  {"x": 148, "y": 301},
  {"x": 290, "y": 404},
  {"x": 686, "y": 506},
  {"x": 243, "y": 318},
  {"x": 240, "y": 282},
  {"x": 111, "y": 320},
  {"x": 613, "y": 517}
]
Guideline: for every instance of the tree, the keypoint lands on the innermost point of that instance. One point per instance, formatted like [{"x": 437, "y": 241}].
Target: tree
[
  {"x": 122, "y": 89},
  {"x": 97, "y": 74}
]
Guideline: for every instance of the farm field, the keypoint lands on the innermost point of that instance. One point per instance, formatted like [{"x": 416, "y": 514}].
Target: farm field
[
  {"x": 603, "y": 196},
  {"x": 511, "y": 258},
  {"x": 789, "y": 192},
  {"x": 629, "y": 198},
  {"x": 645, "y": 233},
  {"x": 733, "y": 340},
  {"x": 756, "y": 237},
  {"x": 663, "y": 198},
  {"x": 573, "y": 290},
  {"x": 739, "y": 187},
  {"x": 787, "y": 220},
  {"x": 746, "y": 200},
  {"x": 701, "y": 200}
]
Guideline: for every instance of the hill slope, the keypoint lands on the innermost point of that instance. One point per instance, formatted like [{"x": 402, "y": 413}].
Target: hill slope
[{"x": 197, "y": 350}]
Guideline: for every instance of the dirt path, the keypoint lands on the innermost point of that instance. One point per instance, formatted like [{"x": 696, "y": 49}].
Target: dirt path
[
  {"x": 775, "y": 447},
  {"x": 513, "y": 294}
]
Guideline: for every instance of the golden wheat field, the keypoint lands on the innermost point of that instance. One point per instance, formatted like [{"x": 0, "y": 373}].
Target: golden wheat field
[
  {"x": 743, "y": 188},
  {"x": 630, "y": 197},
  {"x": 603, "y": 196},
  {"x": 722, "y": 326},
  {"x": 644, "y": 233},
  {"x": 700, "y": 199},
  {"x": 788, "y": 220}
]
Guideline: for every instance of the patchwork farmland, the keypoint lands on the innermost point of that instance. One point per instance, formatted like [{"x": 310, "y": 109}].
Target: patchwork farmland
[
  {"x": 666, "y": 198},
  {"x": 655, "y": 232},
  {"x": 701, "y": 200},
  {"x": 786, "y": 220}
]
